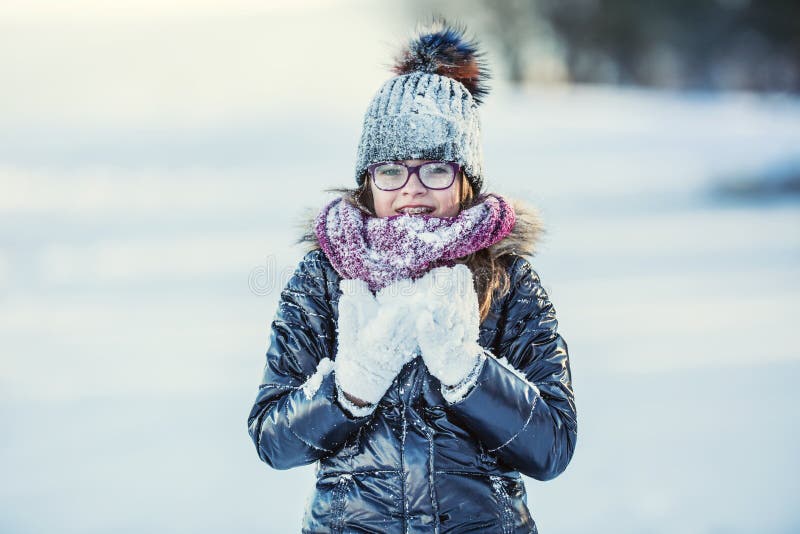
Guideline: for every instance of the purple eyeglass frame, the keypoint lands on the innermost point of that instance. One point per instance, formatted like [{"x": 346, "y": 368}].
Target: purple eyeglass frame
[{"x": 414, "y": 169}]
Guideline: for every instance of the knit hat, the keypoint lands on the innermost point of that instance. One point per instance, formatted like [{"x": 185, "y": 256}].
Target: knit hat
[{"x": 430, "y": 109}]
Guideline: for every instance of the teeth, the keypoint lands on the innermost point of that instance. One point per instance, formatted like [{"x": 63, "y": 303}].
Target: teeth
[{"x": 416, "y": 211}]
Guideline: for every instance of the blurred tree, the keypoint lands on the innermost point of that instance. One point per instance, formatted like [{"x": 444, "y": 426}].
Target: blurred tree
[{"x": 709, "y": 44}]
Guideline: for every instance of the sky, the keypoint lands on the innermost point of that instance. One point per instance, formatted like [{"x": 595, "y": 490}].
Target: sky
[{"x": 187, "y": 62}]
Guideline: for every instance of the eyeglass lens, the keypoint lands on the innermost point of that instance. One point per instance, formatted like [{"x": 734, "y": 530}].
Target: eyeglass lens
[{"x": 433, "y": 175}]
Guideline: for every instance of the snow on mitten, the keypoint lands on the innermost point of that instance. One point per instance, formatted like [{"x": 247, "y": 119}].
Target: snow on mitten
[
  {"x": 372, "y": 346},
  {"x": 356, "y": 306},
  {"x": 448, "y": 324},
  {"x": 401, "y": 296}
]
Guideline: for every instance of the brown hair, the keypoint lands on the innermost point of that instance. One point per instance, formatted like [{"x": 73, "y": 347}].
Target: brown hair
[{"x": 488, "y": 273}]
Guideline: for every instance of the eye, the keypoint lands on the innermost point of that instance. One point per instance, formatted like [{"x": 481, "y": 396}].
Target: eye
[
  {"x": 390, "y": 169},
  {"x": 437, "y": 169}
]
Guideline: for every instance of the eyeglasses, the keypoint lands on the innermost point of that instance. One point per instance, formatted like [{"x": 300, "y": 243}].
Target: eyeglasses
[{"x": 394, "y": 175}]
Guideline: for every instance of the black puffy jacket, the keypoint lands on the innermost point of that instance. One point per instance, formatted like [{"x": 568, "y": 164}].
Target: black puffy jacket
[{"x": 418, "y": 464}]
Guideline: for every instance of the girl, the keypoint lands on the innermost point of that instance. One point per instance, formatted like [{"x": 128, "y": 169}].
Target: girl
[{"x": 414, "y": 354}]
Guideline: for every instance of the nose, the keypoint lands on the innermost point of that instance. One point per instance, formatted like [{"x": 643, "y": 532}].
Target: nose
[{"x": 414, "y": 186}]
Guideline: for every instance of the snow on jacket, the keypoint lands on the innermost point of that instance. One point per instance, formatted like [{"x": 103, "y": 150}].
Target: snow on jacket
[{"x": 417, "y": 463}]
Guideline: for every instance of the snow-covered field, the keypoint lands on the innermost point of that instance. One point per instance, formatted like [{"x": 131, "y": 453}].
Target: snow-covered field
[
  {"x": 140, "y": 267},
  {"x": 136, "y": 301}
]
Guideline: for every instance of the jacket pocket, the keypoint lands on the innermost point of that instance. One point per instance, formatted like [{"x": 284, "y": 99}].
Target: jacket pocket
[
  {"x": 511, "y": 502},
  {"x": 326, "y": 507},
  {"x": 338, "y": 503},
  {"x": 503, "y": 501}
]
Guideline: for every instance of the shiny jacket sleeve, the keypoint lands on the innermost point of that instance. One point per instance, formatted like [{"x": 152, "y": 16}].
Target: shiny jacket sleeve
[
  {"x": 522, "y": 406},
  {"x": 296, "y": 418}
]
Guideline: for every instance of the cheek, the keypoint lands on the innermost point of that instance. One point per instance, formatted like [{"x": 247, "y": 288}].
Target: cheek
[
  {"x": 383, "y": 202},
  {"x": 448, "y": 203}
]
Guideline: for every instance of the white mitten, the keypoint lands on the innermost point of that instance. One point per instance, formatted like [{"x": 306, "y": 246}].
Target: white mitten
[
  {"x": 448, "y": 324},
  {"x": 375, "y": 340},
  {"x": 399, "y": 299}
]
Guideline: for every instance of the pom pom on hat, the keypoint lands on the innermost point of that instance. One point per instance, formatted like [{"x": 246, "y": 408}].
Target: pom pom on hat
[
  {"x": 441, "y": 48},
  {"x": 429, "y": 109}
]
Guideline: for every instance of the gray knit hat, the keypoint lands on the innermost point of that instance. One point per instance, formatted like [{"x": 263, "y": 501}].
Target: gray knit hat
[{"x": 430, "y": 110}]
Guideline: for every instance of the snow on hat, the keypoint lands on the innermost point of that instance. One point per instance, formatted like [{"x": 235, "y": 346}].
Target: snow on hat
[{"x": 430, "y": 109}]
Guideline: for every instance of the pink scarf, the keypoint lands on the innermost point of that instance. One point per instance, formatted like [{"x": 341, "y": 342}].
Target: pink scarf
[{"x": 380, "y": 250}]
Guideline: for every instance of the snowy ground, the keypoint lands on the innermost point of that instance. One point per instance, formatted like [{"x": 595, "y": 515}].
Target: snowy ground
[
  {"x": 135, "y": 301},
  {"x": 149, "y": 203}
]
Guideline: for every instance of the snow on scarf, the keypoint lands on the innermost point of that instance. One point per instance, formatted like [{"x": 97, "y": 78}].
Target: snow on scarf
[{"x": 380, "y": 250}]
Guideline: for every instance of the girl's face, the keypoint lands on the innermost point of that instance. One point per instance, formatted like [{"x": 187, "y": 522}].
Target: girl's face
[{"x": 443, "y": 202}]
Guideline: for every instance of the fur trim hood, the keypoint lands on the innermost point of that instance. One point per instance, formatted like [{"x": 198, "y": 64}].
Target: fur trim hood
[{"x": 523, "y": 240}]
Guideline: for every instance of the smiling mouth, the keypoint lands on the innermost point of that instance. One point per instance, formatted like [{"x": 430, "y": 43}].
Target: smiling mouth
[{"x": 416, "y": 210}]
